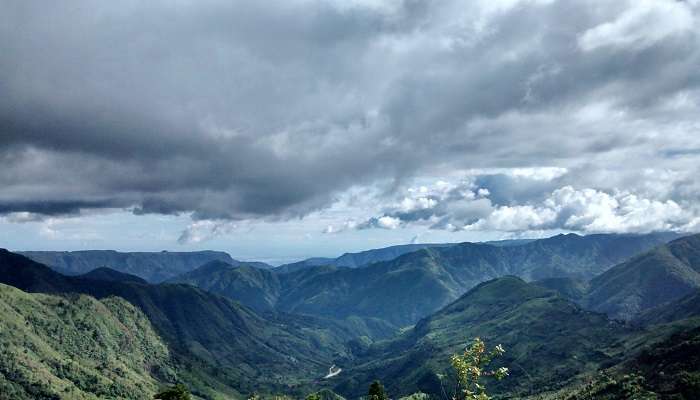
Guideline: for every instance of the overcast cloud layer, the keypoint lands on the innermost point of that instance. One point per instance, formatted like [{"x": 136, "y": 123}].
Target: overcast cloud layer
[{"x": 510, "y": 116}]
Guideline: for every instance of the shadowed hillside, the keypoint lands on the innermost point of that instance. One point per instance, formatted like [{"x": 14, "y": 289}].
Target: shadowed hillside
[{"x": 663, "y": 274}]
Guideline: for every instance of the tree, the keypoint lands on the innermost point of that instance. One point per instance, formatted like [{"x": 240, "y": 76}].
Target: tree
[
  {"x": 177, "y": 392},
  {"x": 376, "y": 391},
  {"x": 471, "y": 367},
  {"x": 313, "y": 396}
]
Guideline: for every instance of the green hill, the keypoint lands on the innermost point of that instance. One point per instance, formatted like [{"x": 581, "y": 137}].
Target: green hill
[
  {"x": 76, "y": 347},
  {"x": 548, "y": 340},
  {"x": 219, "y": 345},
  {"x": 254, "y": 287},
  {"x": 407, "y": 288},
  {"x": 661, "y": 275},
  {"x": 412, "y": 286}
]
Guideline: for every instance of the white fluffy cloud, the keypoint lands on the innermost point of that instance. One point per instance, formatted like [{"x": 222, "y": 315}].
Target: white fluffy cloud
[
  {"x": 588, "y": 211},
  {"x": 467, "y": 205}
]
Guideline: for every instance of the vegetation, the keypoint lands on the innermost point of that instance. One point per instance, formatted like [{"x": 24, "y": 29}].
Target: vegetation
[
  {"x": 376, "y": 392},
  {"x": 121, "y": 337},
  {"x": 664, "y": 274},
  {"x": 77, "y": 347},
  {"x": 549, "y": 340},
  {"x": 177, "y": 392},
  {"x": 402, "y": 290},
  {"x": 471, "y": 368},
  {"x": 219, "y": 347}
]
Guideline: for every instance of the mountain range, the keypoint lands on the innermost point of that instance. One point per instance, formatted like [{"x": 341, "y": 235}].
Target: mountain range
[
  {"x": 661, "y": 275},
  {"x": 580, "y": 317},
  {"x": 405, "y": 289},
  {"x": 154, "y": 267},
  {"x": 233, "y": 349}
]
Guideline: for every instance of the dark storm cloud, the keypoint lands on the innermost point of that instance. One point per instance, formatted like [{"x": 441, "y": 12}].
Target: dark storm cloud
[{"x": 261, "y": 110}]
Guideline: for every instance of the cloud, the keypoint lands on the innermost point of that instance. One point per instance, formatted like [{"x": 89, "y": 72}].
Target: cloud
[
  {"x": 243, "y": 111},
  {"x": 589, "y": 211},
  {"x": 452, "y": 204},
  {"x": 643, "y": 24},
  {"x": 466, "y": 206},
  {"x": 204, "y": 230},
  {"x": 383, "y": 222}
]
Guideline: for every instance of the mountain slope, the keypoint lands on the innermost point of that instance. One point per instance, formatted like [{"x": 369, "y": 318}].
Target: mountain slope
[
  {"x": 151, "y": 266},
  {"x": 359, "y": 259},
  {"x": 548, "y": 339},
  {"x": 254, "y": 287},
  {"x": 663, "y": 274},
  {"x": 569, "y": 288},
  {"x": 668, "y": 368},
  {"x": 261, "y": 290},
  {"x": 367, "y": 257},
  {"x": 364, "y": 258},
  {"x": 683, "y": 308},
  {"x": 77, "y": 347},
  {"x": 407, "y": 288},
  {"x": 110, "y": 275},
  {"x": 217, "y": 342}
]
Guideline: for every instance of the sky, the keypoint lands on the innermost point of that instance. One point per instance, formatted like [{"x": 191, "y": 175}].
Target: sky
[{"x": 280, "y": 130}]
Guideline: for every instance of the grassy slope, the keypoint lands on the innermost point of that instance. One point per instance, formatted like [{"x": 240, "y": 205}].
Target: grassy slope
[
  {"x": 219, "y": 345},
  {"x": 77, "y": 347}
]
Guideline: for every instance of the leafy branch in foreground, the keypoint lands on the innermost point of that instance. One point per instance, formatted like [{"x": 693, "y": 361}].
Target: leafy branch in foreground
[{"x": 471, "y": 366}]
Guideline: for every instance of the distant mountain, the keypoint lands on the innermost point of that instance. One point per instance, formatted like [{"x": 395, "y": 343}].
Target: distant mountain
[
  {"x": 360, "y": 259},
  {"x": 411, "y": 286},
  {"x": 152, "y": 266},
  {"x": 548, "y": 340},
  {"x": 254, "y": 287},
  {"x": 110, "y": 275},
  {"x": 626, "y": 244},
  {"x": 304, "y": 264},
  {"x": 77, "y": 347},
  {"x": 661, "y": 275},
  {"x": 262, "y": 290},
  {"x": 220, "y": 346},
  {"x": 363, "y": 258}
]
